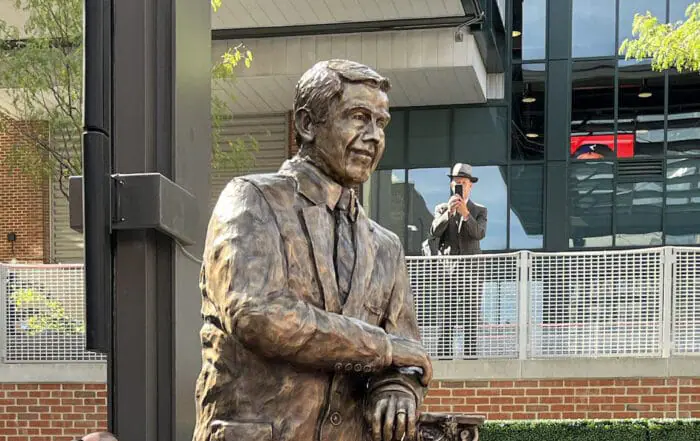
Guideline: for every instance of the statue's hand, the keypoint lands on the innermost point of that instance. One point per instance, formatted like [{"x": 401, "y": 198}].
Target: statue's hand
[{"x": 391, "y": 414}]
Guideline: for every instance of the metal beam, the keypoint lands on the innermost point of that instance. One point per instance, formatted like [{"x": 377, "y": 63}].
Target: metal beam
[{"x": 340, "y": 28}]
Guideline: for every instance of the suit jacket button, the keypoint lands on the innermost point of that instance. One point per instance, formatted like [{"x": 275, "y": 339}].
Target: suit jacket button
[
  {"x": 368, "y": 368},
  {"x": 348, "y": 367},
  {"x": 339, "y": 366},
  {"x": 358, "y": 368},
  {"x": 336, "y": 419}
]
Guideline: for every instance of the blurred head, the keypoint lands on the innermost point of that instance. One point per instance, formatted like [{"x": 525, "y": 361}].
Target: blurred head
[
  {"x": 466, "y": 185},
  {"x": 462, "y": 174},
  {"x": 341, "y": 109},
  {"x": 98, "y": 436}
]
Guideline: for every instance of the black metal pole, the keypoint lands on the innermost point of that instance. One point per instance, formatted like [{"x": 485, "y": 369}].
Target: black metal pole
[{"x": 97, "y": 169}]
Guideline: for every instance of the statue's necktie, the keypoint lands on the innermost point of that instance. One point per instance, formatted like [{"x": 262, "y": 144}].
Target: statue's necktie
[{"x": 344, "y": 244}]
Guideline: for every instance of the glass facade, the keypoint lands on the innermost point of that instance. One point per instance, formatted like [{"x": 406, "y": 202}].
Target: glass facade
[{"x": 588, "y": 150}]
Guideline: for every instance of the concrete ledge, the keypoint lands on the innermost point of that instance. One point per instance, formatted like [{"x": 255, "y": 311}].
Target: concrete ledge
[
  {"x": 53, "y": 373},
  {"x": 568, "y": 368}
]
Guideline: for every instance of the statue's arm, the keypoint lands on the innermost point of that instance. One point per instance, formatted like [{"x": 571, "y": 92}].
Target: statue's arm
[
  {"x": 440, "y": 221},
  {"x": 245, "y": 271},
  {"x": 401, "y": 321}
]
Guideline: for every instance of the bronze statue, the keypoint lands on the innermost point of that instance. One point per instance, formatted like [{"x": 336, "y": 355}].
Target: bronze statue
[{"x": 309, "y": 329}]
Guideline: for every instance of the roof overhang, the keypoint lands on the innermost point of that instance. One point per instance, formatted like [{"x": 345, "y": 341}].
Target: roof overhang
[{"x": 426, "y": 68}]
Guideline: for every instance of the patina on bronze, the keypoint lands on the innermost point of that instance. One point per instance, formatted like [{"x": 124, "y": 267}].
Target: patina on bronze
[{"x": 309, "y": 328}]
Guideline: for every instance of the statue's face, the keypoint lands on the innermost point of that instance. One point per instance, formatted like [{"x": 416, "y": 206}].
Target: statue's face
[{"x": 351, "y": 141}]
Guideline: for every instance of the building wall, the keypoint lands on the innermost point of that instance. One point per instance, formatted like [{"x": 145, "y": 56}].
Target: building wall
[
  {"x": 23, "y": 207},
  {"x": 61, "y": 412}
]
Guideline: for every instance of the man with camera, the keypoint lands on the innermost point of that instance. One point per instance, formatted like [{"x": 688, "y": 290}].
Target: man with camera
[{"x": 458, "y": 228}]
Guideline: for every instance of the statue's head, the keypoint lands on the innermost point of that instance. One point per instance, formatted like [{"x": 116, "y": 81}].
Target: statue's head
[{"x": 341, "y": 109}]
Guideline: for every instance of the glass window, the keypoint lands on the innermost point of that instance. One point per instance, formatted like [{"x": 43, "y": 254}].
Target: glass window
[
  {"x": 682, "y": 202},
  {"x": 638, "y": 210},
  {"x": 526, "y": 206},
  {"x": 592, "y": 110},
  {"x": 429, "y": 138},
  {"x": 387, "y": 200},
  {"x": 491, "y": 192},
  {"x": 395, "y": 142},
  {"x": 677, "y": 10},
  {"x": 593, "y": 28},
  {"x": 427, "y": 188},
  {"x": 480, "y": 134},
  {"x": 591, "y": 204},
  {"x": 640, "y": 123},
  {"x": 528, "y": 100},
  {"x": 529, "y": 26},
  {"x": 630, "y": 7},
  {"x": 683, "y": 114}
]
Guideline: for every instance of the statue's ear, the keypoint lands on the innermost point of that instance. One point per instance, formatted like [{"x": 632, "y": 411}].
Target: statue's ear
[{"x": 304, "y": 126}]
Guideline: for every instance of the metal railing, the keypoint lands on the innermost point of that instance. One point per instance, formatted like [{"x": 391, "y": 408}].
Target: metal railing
[
  {"x": 522, "y": 305},
  {"x": 42, "y": 314},
  {"x": 534, "y": 305}
]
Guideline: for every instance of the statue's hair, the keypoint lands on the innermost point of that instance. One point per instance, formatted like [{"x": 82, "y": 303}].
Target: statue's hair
[{"x": 325, "y": 82}]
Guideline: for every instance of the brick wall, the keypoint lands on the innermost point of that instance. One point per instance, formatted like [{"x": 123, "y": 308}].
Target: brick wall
[
  {"x": 51, "y": 412},
  {"x": 61, "y": 412},
  {"x": 24, "y": 207},
  {"x": 569, "y": 398}
]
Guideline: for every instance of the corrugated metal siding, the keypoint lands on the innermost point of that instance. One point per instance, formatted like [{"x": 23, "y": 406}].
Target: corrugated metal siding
[
  {"x": 269, "y": 130},
  {"x": 271, "y": 133}
]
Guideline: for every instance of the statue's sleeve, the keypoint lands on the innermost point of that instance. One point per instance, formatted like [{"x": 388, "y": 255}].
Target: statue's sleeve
[
  {"x": 245, "y": 273},
  {"x": 401, "y": 321}
]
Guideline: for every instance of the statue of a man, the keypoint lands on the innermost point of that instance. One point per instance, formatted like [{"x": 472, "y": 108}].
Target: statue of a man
[{"x": 309, "y": 329}]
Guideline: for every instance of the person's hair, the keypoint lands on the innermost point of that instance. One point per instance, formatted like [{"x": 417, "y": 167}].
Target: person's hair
[{"x": 325, "y": 81}]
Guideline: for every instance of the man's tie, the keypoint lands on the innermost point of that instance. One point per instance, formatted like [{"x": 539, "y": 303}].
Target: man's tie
[{"x": 344, "y": 244}]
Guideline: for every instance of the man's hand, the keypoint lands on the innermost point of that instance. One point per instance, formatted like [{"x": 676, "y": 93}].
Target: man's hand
[
  {"x": 410, "y": 353},
  {"x": 458, "y": 205},
  {"x": 391, "y": 414}
]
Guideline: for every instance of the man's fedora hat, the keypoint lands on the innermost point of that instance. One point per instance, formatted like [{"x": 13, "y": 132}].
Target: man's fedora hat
[{"x": 462, "y": 170}]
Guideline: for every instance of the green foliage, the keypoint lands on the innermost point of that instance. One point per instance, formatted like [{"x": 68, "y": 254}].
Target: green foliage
[
  {"x": 44, "y": 314},
  {"x": 591, "y": 430},
  {"x": 41, "y": 80},
  {"x": 669, "y": 45}
]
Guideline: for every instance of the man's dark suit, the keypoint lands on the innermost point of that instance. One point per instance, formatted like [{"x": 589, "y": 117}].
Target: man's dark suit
[
  {"x": 274, "y": 322},
  {"x": 460, "y": 307},
  {"x": 456, "y": 235}
]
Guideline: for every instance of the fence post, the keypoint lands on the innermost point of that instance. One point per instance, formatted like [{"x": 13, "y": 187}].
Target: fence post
[
  {"x": 668, "y": 263},
  {"x": 3, "y": 313},
  {"x": 523, "y": 303}
]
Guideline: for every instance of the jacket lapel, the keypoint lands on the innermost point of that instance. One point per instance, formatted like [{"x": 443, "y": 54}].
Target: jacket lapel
[
  {"x": 317, "y": 227},
  {"x": 366, "y": 248}
]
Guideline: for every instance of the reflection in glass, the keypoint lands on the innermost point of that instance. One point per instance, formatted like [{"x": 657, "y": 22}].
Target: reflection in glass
[
  {"x": 387, "y": 200},
  {"x": 590, "y": 204},
  {"x": 630, "y": 7},
  {"x": 638, "y": 210},
  {"x": 394, "y": 141},
  {"x": 529, "y": 25},
  {"x": 683, "y": 114},
  {"x": 526, "y": 207},
  {"x": 528, "y": 99},
  {"x": 479, "y": 135},
  {"x": 592, "y": 110},
  {"x": 677, "y": 10},
  {"x": 426, "y": 189},
  {"x": 682, "y": 202},
  {"x": 593, "y": 28},
  {"x": 429, "y": 138},
  {"x": 491, "y": 192},
  {"x": 641, "y": 110}
]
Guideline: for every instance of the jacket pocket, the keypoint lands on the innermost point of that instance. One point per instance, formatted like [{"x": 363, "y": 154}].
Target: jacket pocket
[{"x": 240, "y": 431}]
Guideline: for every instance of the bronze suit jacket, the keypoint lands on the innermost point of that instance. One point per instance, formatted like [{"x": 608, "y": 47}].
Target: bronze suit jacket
[
  {"x": 456, "y": 235},
  {"x": 282, "y": 359}
]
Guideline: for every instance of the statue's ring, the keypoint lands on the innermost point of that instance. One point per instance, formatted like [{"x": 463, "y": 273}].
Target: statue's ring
[{"x": 401, "y": 411}]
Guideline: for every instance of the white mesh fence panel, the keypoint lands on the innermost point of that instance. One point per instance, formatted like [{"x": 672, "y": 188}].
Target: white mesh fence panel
[
  {"x": 44, "y": 319},
  {"x": 596, "y": 304},
  {"x": 467, "y": 306},
  {"x": 686, "y": 301}
]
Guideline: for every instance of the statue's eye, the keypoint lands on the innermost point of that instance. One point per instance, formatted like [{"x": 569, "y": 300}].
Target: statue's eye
[{"x": 359, "y": 116}]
